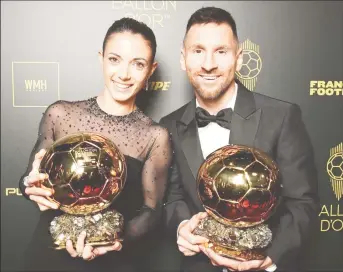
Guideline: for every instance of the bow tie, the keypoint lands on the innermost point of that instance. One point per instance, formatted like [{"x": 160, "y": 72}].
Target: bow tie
[{"x": 223, "y": 117}]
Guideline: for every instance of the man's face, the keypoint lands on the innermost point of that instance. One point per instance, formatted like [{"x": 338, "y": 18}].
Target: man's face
[{"x": 211, "y": 56}]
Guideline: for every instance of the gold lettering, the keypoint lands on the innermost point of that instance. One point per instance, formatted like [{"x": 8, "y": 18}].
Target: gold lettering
[
  {"x": 324, "y": 211},
  {"x": 313, "y": 83},
  {"x": 337, "y": 225},
  {"x": 13, "y": 191},
  {"x": 313, "y": 91},
  {"x": 338, "y": 84},
  {"x": 329, "y": 84},
  {"x": 158, "y": 85},
  {"x": 332, "y": 211},
  {"x": 321, "y": 91},
  {"x": 329, "y": 92},
  {"x": 321, "y": 225},
  {"x": 166, "y": 86},
  {"x": 338, "y": 91},
  {"x": 321, "y": 84}
]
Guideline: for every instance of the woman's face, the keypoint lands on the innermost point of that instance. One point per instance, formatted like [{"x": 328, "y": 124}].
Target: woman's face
[{"x": 127, "y": 65}]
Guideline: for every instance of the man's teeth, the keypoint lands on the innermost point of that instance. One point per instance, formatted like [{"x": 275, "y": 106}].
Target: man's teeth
[{"x": 210, "y": 77}]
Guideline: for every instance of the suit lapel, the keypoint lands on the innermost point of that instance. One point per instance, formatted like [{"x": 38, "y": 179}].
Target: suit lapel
[
  {"x": 189, "y": 138},
  {"x": 245, "y": 119}
]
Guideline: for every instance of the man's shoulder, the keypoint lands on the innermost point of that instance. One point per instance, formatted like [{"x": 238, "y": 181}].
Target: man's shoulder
[
  {"x": 272, "y": 103},
  {"x": 263, "y": 98},
  {"x": 175, "y": 115}
]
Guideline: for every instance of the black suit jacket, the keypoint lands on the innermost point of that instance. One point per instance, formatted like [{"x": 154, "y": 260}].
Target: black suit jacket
[{"x": 274, "y": 126}]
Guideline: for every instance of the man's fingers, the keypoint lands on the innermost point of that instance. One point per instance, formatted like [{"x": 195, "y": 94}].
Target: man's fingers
[
  {"x": 203, "y": 249},
  {"x": 222, "y": 261},
  {"x": 214, "y": 263},
  {"x": 186, "y": 252},
  {"x": 43, "y": 201},
  {"x": 266, "y": 263},
  {"x": 202, "y": 215},
  {"x": 80, "y": 244},
  {"x": 184, "y": 243},
  {"x": 117, "y": 246},
  {"x": 196, "y": 239},
  {"x": 248, "y": 265},
  {"x": 189, "y": 253},
  {"x": 191, "y": 238},
  {"x": 70, "y": 249},
  {"x": 194, "y": 221}
]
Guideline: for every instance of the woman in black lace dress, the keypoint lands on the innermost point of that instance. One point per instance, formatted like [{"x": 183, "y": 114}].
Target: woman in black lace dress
[{"x": 128, "y": 61}]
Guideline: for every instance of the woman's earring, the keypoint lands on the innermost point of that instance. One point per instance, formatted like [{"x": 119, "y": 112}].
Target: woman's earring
[{"x": 147, "y": 85}]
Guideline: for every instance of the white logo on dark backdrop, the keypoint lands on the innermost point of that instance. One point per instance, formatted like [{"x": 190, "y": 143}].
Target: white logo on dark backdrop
[
  {"x": 152, "y": 13},
  {"x": 35, "y": 84}
]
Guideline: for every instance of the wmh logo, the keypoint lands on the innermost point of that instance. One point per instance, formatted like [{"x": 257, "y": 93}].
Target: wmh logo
[
  {"x": 35, "y": 84},
  {"x": 32, "y": 85}
]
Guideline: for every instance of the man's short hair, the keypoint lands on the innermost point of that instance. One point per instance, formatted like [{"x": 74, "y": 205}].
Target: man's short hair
[{"x": 208, "y": 15}]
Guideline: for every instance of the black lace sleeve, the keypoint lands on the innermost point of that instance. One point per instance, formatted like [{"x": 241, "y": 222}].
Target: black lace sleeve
[
  {"x": 45, "y": 137},
  {"x": 154, "y": 180}
]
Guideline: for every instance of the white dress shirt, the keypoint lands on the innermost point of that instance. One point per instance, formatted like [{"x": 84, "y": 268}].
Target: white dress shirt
[{"x": 212, "y": 137}]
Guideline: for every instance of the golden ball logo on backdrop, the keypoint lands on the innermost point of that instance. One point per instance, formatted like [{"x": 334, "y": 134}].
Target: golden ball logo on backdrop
[
  {"x": 152, "y": 13},
  {"x": 334, "y": 168},
  {"x": 35, "y": 84},
  {"x": 327, "y": 88},
  {"x": 252, "y": 65},
  {"x": 333, "y": 214}
]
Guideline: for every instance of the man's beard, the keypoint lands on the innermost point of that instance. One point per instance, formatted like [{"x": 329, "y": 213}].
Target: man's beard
[{"x": 209, "y": 95}]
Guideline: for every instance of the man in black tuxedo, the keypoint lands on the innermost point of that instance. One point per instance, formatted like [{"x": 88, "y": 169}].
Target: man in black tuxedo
[{"x": 222, "y": 112}]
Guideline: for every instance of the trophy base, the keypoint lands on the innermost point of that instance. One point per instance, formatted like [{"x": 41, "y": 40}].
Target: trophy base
[
  {"x": 240, "y": 244},
  {"x": 102, "y": 228},
  {"x": 240, "y": 255}
]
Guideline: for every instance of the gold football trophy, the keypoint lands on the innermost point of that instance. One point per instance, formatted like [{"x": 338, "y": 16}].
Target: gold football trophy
[
  {"x": 86, "y": 172},
  {"x": 239, "y": 189}
]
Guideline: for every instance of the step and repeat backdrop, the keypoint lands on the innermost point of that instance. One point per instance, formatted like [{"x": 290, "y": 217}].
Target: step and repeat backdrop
[{"x": 293, "y": 51}]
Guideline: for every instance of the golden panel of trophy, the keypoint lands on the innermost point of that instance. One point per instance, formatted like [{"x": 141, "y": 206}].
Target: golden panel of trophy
[
  {"x": 239, "y": 189},
  {"x": 87, "y": 172}
]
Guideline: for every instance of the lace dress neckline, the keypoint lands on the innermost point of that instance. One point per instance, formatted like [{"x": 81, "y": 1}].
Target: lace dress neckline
[{"x": 95, "y": 109}]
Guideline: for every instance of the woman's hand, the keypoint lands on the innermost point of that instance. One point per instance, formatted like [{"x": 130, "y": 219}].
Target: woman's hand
[
  {"x": 33, "y": 185},
  {"x": 87, "y": 252}
]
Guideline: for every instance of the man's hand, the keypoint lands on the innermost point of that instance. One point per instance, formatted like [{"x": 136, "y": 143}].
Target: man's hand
[
  {"x": 234, "y": 265},
  {"x": 187, "y": 242},
  {"x": 87, "y": 252},
  {"x": 33, "y": 182}
]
